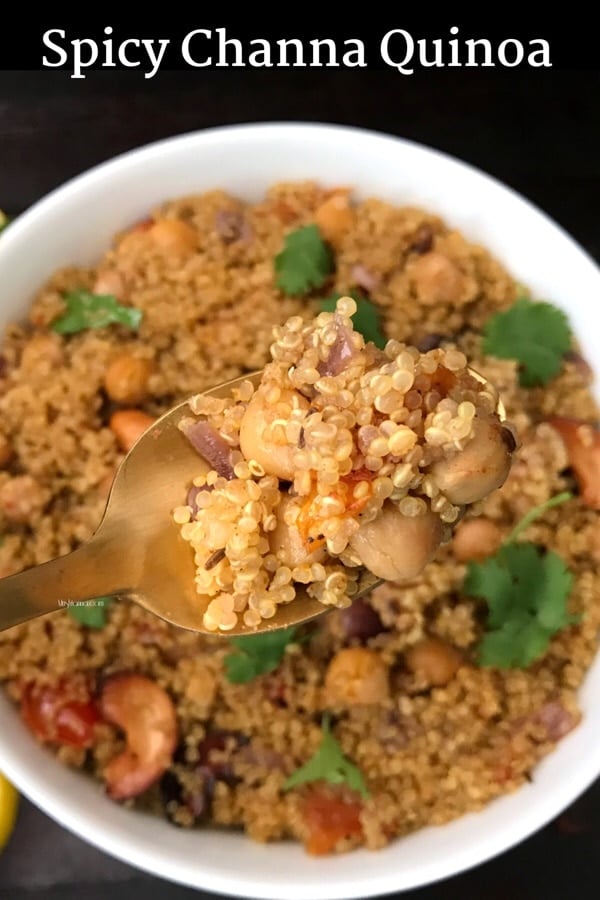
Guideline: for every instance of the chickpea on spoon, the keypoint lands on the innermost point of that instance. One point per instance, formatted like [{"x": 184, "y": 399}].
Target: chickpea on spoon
[{"x": 261, "y": 502}]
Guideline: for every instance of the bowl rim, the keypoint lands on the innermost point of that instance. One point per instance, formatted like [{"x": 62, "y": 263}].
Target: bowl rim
[
  {"x": 250, "y": 130},
  {"x": 80, "y": 822}
]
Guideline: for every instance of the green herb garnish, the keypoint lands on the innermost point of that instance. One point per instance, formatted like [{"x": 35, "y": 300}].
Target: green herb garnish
[
  {"x": 92, "y": 616},
  {"x": 4, "y": 221},
  {"x": 526, "y": 590},
  {"x": 257, "y": 654},
  {"x": 537, "y": 335},
  {"x": 305, "y": 262},
  {"x": 366, "y": 319},
  {"x": 328, "y": 764},
  {"x": 87, "y": 310}
]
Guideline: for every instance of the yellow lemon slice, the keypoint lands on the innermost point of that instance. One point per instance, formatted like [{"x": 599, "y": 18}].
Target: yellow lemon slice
[{"x": 9, "y": 800}]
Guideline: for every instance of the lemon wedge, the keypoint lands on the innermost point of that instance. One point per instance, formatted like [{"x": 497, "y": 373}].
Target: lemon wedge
[{"x": 9, "y": 800}]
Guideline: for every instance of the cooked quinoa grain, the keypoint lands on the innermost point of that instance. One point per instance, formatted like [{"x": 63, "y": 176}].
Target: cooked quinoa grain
[
  {"x": 433, "y": 734},
  {"x": 297, "y": 480}
]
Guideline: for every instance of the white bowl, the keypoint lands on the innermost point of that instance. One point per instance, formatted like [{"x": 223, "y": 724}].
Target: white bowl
[{"x": 75, "y": 224}]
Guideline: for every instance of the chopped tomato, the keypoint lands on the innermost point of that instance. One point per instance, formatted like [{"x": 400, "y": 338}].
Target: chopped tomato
[
  {"x": 55, "y": 716},
  {"x": 443, "y": 380},
  {"x": 330, "y": 819},
  {"x": 284, "y": 212},
  {"x": 143, "y": 225},
  {"x": 307, "y": 522},
  {"x": 357, "y": 475},
  {"x": 582, "y": 442},
  {"x": 357, "y": 506},
  {"x": 502, "y": 773}
]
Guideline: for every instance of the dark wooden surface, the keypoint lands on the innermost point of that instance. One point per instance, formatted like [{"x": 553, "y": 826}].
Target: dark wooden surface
[{"x": 537, "y": 131}]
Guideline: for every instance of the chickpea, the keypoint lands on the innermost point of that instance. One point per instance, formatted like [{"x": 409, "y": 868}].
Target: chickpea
[
  {"x": 476, "y": 539},
  {"x": 6, "y": 451},
  {"x": 335, "y": 217},
  {"x": 128, "y": 425},
  {"x": 174, "y": 236},
  {"x": 126, "y": 379},
  {"x": 110, "y": 282},
  {"x": 42, "y": 349},
  {"x": 482, "y": 467},
  {"x": 287, "y": 543},
  {"x": 356, "y": 675},
  {"x": 20, "y": 498},
  {"x": 397, "y": 547},
  {"x": 437, "y": 279},
  {"x": 276, "y": 459},
  {"x": 132, "y": 241},
  {"x": 433, "y": 660}
]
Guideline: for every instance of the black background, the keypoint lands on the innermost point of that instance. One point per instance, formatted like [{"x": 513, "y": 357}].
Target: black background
[{"x": 536, "y": 130}]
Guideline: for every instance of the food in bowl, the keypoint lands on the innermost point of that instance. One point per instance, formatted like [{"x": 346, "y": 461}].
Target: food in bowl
[
  {"x": 344, "y": 457},
  {"x": 410, "y": 707}
]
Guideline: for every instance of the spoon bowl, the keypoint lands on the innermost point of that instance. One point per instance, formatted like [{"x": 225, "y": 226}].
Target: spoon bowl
[
  {"x": 137, "y": 552},
  {"x": 151, "y": 482}
]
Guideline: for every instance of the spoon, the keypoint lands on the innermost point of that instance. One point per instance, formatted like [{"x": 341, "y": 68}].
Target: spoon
[{"x": 137, "y": 552}]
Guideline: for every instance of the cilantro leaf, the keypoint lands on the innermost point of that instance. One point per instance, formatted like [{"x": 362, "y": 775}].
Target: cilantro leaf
[
  {"x": 553, "y": 614},
  {"x": 516, "y": 644},
  {"x": 257, "y": 654},
  {"x": 366, "y": 319},
  {"x": 4, "y": 220},
  {"x": 537, "y": 335},
  {"x": 328, "y": 764},
  {"x": 535, "y": 513},
  {"x": 87, "y": 310},
  {"x": 92, "y": 616},
  {"x": 491, "y": 579},
  {"x": 305, "y": 262},
  {"x": 526, "y": 591}
]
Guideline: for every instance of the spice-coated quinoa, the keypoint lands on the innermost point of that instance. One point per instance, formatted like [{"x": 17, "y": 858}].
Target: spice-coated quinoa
[
  {"x": 344, "y": 456},
  {"x": 433, "y": 734}
]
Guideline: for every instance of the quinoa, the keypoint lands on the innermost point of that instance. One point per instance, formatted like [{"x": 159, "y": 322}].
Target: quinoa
[
  {"x": 374, "y": 428},
  {"x": 206, "y": 287}
]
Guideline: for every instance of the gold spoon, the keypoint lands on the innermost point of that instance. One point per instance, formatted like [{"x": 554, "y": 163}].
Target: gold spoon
[{"x": 137, "y": 552}]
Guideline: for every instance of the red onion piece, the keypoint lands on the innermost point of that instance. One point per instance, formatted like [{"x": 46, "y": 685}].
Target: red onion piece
[
  {"x": 192, "y": 496},
  {"x": 363, "y": 277},
  {"x": 231, "y": 226},
  {"x": 340, "y": 353},
  {"x": 210, "y": 445},
  {"x": 361, "y": 621},
  {"x": 218, "y": 742},
  {"x": 581, "y": 364},
  {"x": 265, "y": 757},
  {"x": 557, "y": 720}
]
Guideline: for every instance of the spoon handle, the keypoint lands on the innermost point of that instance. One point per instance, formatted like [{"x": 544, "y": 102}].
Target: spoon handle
[{"x": 53, "y": 585}]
